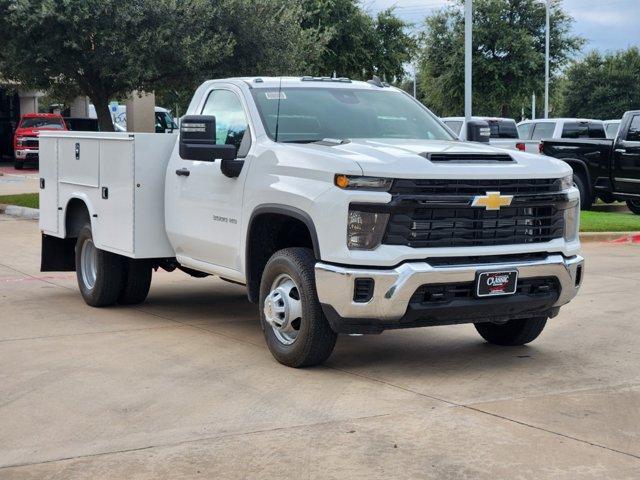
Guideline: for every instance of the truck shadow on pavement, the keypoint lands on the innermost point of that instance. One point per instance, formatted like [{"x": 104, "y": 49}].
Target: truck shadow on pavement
[{"x": 442, "y": 350}]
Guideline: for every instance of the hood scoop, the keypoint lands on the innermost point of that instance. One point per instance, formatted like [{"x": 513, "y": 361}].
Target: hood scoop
[{"x": 468, "y": 157}]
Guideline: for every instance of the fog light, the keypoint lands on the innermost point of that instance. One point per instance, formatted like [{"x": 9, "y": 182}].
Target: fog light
[{"x": 365, "y": 229}]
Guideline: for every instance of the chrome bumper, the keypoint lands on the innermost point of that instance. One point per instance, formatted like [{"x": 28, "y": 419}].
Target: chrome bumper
[
  {"x": 394, "y": 287},
  {"x": 22, "y": 154}
]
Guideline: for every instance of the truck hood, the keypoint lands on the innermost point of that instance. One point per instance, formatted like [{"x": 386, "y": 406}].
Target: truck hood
[
  {"x": 34, "y": 132},
  {"x": 405, "y": 159}
]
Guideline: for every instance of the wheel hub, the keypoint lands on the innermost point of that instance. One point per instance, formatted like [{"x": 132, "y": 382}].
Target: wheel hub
[{"x": 283, "y": 309}]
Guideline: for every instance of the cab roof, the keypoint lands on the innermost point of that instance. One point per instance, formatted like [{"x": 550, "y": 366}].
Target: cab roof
[{"x": 307, "y": 81}]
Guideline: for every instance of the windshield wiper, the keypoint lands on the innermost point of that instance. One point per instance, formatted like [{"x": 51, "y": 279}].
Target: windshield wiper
[{"x": 329, "y": 142}]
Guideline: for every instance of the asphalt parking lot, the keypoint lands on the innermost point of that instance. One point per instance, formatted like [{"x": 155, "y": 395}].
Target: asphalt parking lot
[{"x": 184, "y": 387}]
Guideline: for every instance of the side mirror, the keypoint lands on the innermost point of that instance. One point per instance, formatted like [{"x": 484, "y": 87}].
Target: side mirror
[
  {"x": 478, "y": 131},
  {"x": 198, "y": 140}
]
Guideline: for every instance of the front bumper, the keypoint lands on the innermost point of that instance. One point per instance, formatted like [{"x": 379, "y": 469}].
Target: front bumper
[
  {"x": 27, "y": 155},
  {"x": 391, "y": 304}
]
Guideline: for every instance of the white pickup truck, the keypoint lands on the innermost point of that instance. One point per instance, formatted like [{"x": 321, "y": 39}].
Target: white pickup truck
[
  {"x": 343, "y": 206},
  {"x": 503, "y": 133}
]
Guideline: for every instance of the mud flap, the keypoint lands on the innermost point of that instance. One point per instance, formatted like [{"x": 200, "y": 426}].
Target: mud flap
[{"x": 58, "y": 254}]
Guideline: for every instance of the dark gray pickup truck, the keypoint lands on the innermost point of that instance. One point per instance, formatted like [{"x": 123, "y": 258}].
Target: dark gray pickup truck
[{"x": 608, "y": 169}]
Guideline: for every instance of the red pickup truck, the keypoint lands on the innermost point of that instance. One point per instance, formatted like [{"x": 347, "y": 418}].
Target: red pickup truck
[{"x": 25, "y": 140}]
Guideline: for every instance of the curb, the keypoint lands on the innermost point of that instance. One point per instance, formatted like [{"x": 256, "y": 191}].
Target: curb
[
  {"x": 613, "y": 237},
  {"x": 20, "y": 212}
]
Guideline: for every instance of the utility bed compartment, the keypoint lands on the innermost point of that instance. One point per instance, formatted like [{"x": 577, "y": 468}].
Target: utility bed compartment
[{"x": 119, "y": 176}]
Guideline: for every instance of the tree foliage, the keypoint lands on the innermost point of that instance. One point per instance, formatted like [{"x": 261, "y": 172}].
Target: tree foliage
[
  {"x": 603, "y": 86},
  {"x": 357, "y": 44},
  {"x": 508, "y": 55},
  {"x": 108, "y": 48}
]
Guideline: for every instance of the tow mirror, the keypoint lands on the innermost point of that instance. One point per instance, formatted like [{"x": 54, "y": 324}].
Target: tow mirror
[
  {"x": 198, "y": 140},
  {"x": 478, "y": 131}
]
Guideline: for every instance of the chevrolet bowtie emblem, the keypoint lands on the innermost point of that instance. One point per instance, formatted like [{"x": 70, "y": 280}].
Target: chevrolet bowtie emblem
[{"x": 492, "y": 201}]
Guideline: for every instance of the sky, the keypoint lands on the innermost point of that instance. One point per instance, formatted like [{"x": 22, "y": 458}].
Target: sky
[{"x": 605, "y": 24}]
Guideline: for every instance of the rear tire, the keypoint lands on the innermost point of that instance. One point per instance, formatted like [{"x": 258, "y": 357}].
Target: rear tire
[
  {"x": 513, "y": 332},
  {"x": 100, "y": 274},
  {"x": 136, "y": 283},
  {"x": 295, "y": 328},
  {"x": 585, "y": 196},
  {"x": 634, "y": 206}
]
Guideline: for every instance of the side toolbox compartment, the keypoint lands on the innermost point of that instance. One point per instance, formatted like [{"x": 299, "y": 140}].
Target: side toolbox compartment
[{"x": 49, "y": 217}]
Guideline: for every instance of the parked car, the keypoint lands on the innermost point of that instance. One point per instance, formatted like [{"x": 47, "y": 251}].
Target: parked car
[
  {"x": 611, "y": 128},
  {"x": 504, "y": 133},
  {"x": 342, "y": 206},
  {"x": 25, "y": 139},
  {"x": 547, "y": 128},
  {"x": 608, "y": 169}
]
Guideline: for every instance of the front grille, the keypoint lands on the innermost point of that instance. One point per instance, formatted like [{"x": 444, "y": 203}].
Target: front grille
[
  {"x": 431, "y": 227},
  {"x": 447, "y": 292},
  {"x": 475, "y": 187},
  {"x": 30, "y": 142}
]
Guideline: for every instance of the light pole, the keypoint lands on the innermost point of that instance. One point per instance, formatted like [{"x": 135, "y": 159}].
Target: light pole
[
  {"x": 546, "y": 61},
  {"x": 468, "y": 23}
]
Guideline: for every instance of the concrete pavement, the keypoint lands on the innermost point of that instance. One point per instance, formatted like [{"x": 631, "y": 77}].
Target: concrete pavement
[
  {"x": 13, "y": 182},
  {"x": 184, "y": 387}
]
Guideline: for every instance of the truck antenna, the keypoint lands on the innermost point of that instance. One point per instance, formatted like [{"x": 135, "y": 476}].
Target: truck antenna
[{"x": 278, "y": 112}]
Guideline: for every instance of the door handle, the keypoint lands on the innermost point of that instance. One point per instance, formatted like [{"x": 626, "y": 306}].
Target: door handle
[
  {"x": 183, "y": 172},
  {"x": 620, "y": 150}
]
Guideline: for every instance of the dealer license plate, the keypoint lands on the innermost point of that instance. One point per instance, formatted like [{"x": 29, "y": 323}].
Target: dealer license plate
[{"x": 489, "y": 284}]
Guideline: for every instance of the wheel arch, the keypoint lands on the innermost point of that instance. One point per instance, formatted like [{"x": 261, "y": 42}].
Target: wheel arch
[
  {"x": 272, "y": 227},
  {"x": 77, "y": 212}
]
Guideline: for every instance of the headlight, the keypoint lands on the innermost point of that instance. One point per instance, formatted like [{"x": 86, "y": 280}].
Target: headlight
[
  {"x": 566, "y": 182},
  {"x": 365, "y": 229},
  {"x": 353, "y": 182},
  {"x": 19, "y": 141},
  {"x": 572, "y": 222}
]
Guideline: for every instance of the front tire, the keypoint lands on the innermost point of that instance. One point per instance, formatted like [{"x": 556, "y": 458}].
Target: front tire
[
  {"x": 100, "y": 274},
  {"x": 18, "y": 165},
  {"x": 634, "y": 206},
  {"x": 295, "y": 328},
  {"x": 512, "y": 333}
]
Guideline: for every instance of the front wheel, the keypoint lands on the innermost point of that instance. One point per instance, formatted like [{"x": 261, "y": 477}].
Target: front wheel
[
  {"x": 634, "y": 206},
  {"x": 100, "y": 274},
  {"x": 295, "y": 328},
  {"x": 513, "y": 332},
  {"x": 18, "y": 165}
]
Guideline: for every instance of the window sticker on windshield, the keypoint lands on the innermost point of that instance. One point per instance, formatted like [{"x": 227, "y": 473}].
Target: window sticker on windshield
[{"x": 275, "y": 95}]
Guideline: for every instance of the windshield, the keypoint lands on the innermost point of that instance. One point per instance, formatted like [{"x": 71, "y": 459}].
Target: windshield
[
  {"x": 313, "y": 114},
  {"x": 42, "y": 123}
]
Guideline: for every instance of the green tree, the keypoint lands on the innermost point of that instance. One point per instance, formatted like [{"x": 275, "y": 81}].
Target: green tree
[
  {"x": 603, "y": 86},
  {"x": 107, "y": 48},
  {"x": 508, "y": 55},
  {"x": 358, "y": 45}
]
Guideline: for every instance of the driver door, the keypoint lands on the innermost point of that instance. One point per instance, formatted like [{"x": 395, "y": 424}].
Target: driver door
[{"x": 206, "y": 217}]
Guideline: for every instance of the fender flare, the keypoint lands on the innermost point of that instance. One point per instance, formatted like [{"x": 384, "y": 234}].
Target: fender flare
[
  {"x": 579, "y": 166},
  {"x": 289, "y": 211}
]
